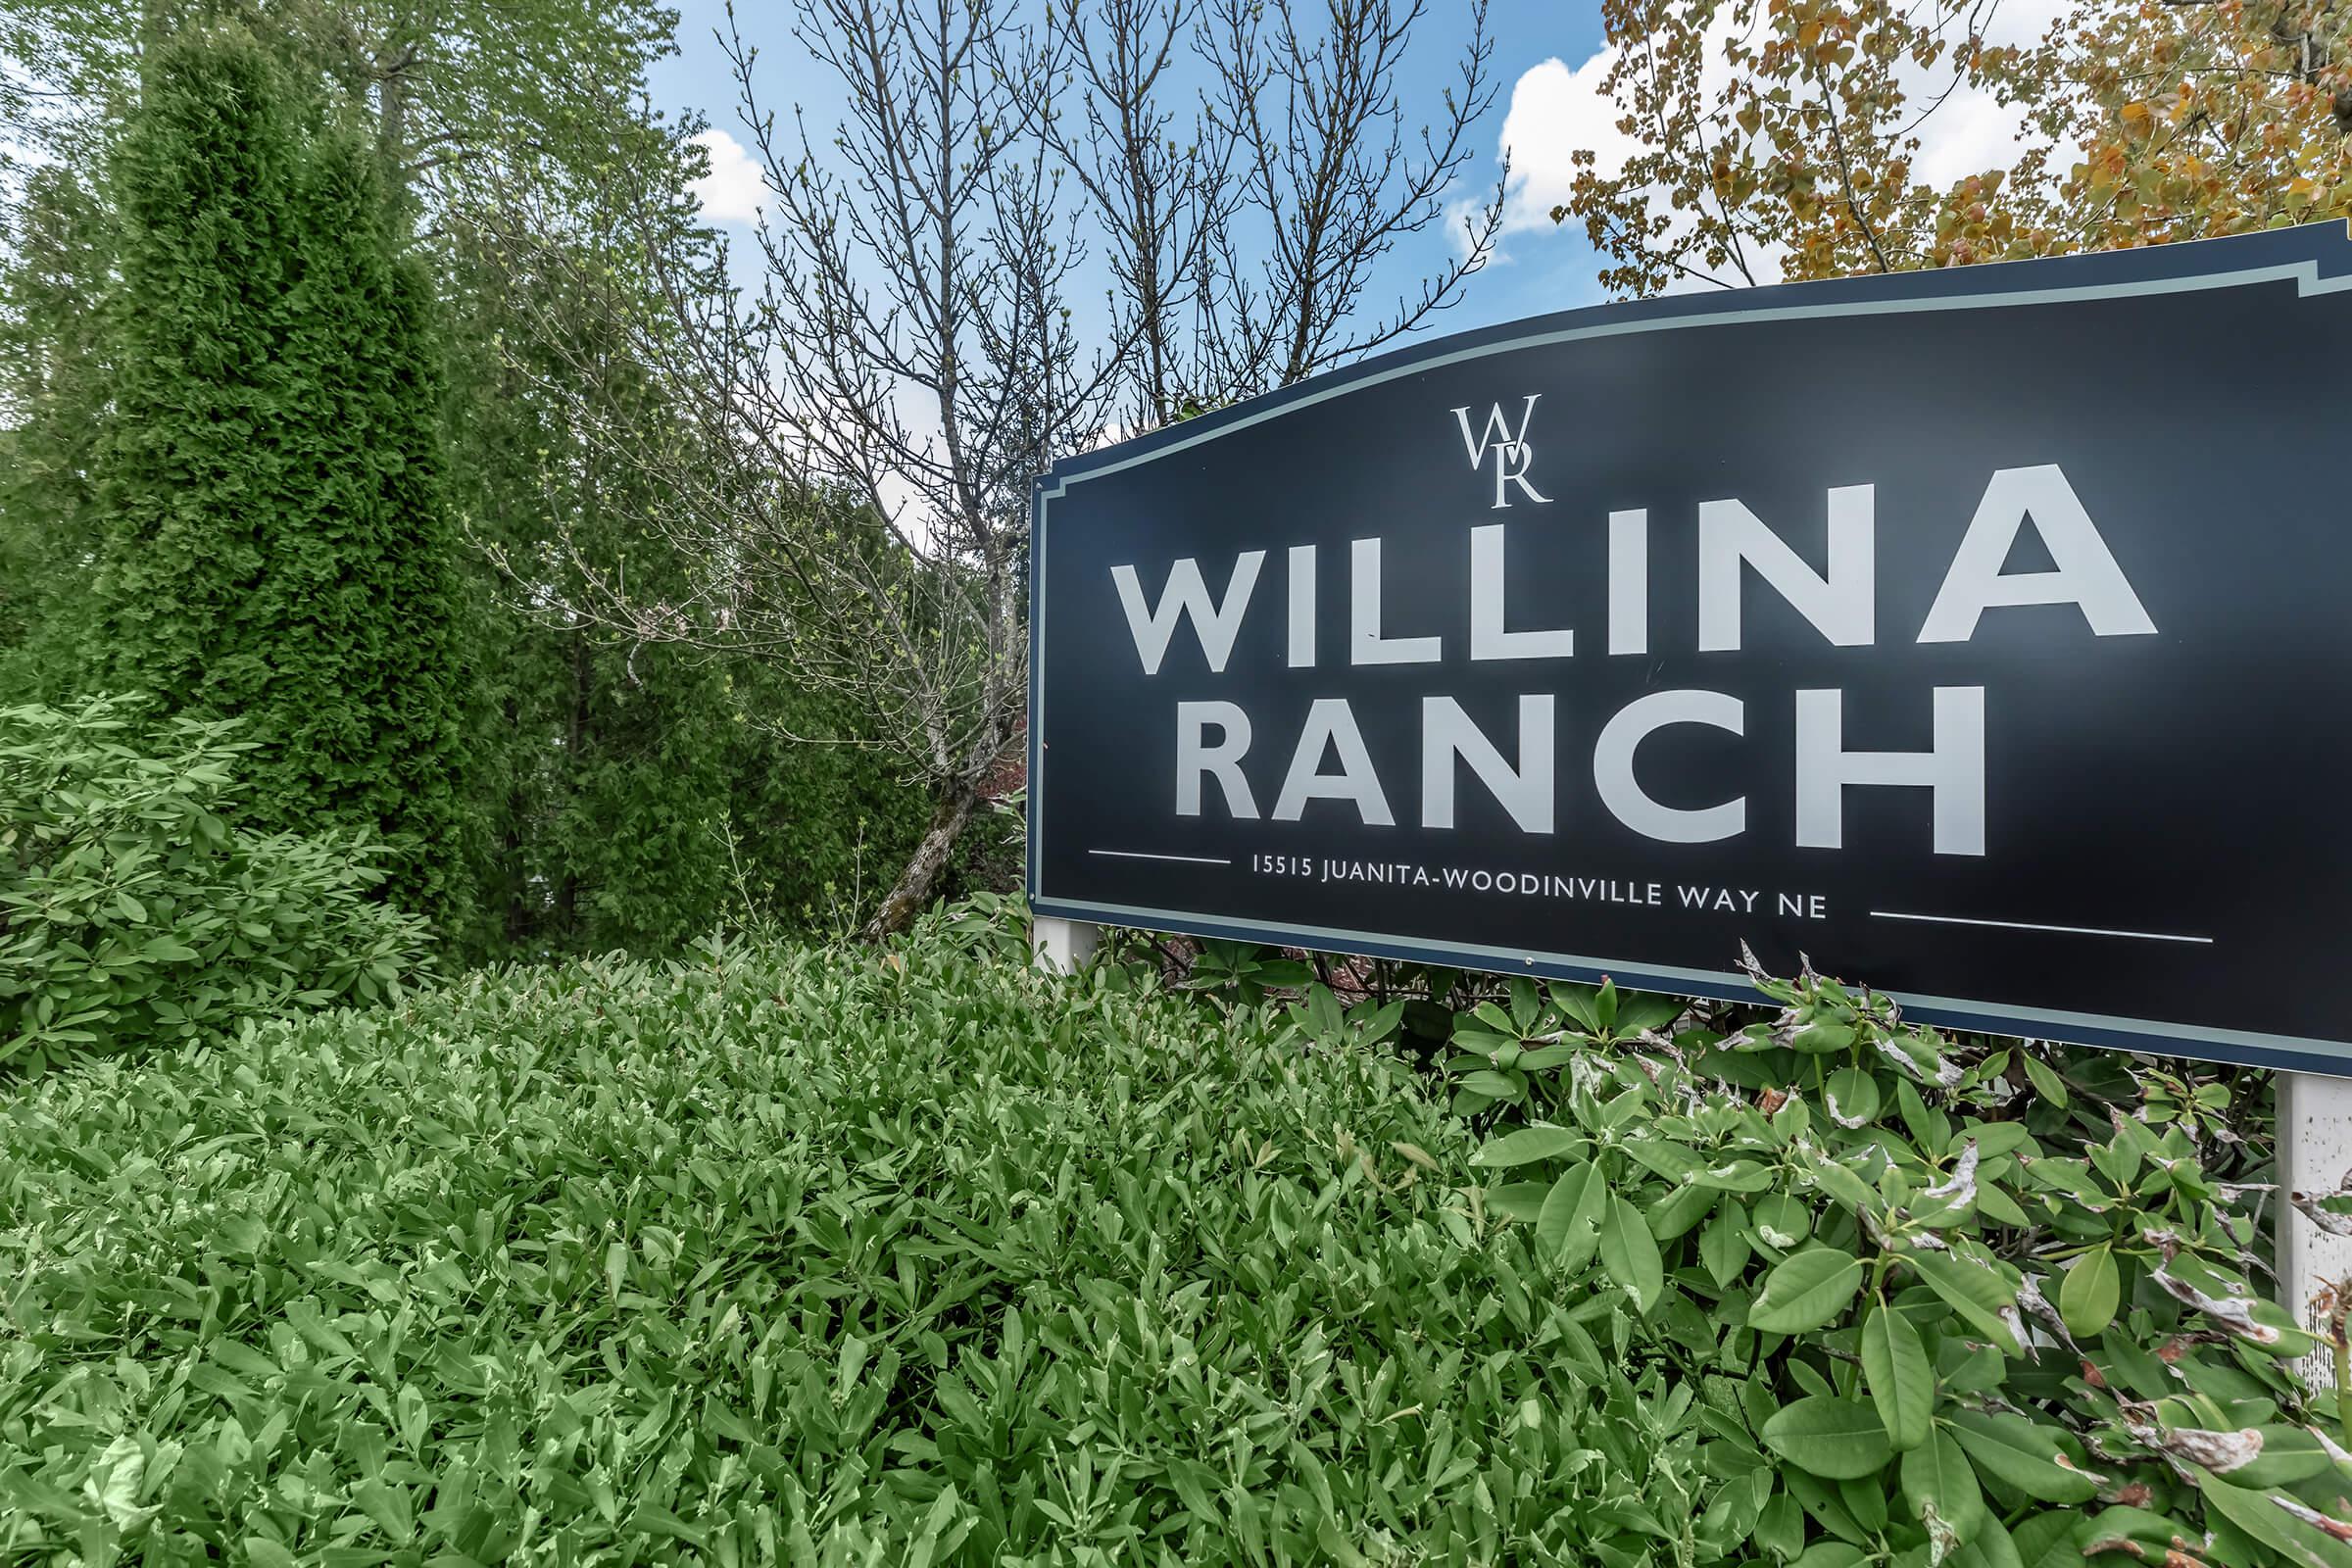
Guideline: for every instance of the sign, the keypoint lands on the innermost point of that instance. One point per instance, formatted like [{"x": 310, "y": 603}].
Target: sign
[{"x": 1984, "y": 634}]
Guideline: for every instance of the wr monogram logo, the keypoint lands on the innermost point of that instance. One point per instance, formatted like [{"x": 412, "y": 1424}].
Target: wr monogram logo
[{"x": 1508, "y": 447}]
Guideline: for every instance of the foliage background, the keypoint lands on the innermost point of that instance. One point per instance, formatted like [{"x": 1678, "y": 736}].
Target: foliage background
[{"x": 545, "y": 789}]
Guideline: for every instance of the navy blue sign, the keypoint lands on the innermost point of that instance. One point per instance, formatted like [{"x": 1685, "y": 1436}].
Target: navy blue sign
[{"x": 1984, "y": 634}]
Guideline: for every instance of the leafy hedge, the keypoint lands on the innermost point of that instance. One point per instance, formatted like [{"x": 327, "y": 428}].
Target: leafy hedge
[
  {"x": 829, "y": 1256},
  {"x": 133, "y": 913},
  {"x": 1922, "y": 1298},
  {"x": 800, "y": 1257}
]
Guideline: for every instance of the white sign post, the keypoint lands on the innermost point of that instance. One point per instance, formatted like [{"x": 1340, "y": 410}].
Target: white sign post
[
  {"x": 1063, "y": 945},
  {"x": 2315, "y": 1153}
]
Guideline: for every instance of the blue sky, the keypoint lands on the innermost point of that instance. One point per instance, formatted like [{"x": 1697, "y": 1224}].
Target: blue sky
[{"x": 1541, "y": 46}]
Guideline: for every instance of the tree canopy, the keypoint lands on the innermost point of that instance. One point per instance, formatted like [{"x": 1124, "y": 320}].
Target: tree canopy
[{"x": 1780, "y": 138}]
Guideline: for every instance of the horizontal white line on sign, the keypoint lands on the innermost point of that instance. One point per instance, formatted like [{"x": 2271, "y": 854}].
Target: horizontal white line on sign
[
  {"x": 1137, "y": 854},
  {"x": 2027, "y": 925}
]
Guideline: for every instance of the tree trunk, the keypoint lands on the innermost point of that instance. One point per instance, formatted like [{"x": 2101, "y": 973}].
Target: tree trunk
[{"x": 956, "y": 803}]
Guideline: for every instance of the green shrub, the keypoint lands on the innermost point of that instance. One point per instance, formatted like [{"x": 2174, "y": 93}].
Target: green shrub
[
  {"x": 807, "y": 1256},
  {"x": 132, "y": 913},
  {"x": 1922, "y": 1299},
  {"x": 273, "y": 543},
  {"x": 829, "y": 1256}
]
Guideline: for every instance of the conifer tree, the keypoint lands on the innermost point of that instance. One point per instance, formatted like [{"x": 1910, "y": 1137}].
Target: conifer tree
[
  {"x": 274, "y": 540},
  {"x": 53, "y": 390}
]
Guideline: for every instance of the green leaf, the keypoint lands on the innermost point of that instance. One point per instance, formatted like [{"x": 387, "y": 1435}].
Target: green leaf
[
  {"x": 1494, "y": 1019},
  {"x": 1738, "y": 1175},
  {"x": 1519, "y": 1200},
  {"x": 1664, "y": 1157},
  {"x": 1604, "y": 1005},
  {"x": 1569, "y": 1226},
  {"x": 2046, "y": 1081},
  {"x": 1494, "y": 1085},
  {"x": 2022, "y": 1454},
  {"x": 1975, "y": 1290},
  {"x": 1331, "y": 1536},
  {"x": 1995, "y": 1205},
  {"x": 1866, "y": 1501},
  {"x": 1721, "y": 1247},
  {"x": 1526, "y": 1005},
  {"x": 2047, "y": 1538},
  {"x": 1673, "y": 1215},
  {"x": 1901, "y": 1382},
  {"x": 1853, "y": 1096},
  {"x": 1781, "y": 1222},
  {"x": 1838, "y": 1439},
  {"x": 1579, "y": 1002},
  {"x": 2290, "y": 1457},
  {"x": 1929, "y": 1128},
  {"x": 2126, "y": 1524},
  {"x": 1823, "y": 1500},
  {"x": 1843, "y": 1184},
  {"x": 1780, "y": 1527},
  {"x": 1638, "y": 1010},
  {"x": 1823, "y": 1038},
  {"x": 1831, "y": 1554},
  {"x": 2258, "y": 1516},
  {"x": 1808, "y": 1290},
  {"x": 2090, "y": 1292},
  {"x": 1940, "y": 1486},
  {"x": 1629, "y": 1254},
  {"x": 1529, "y": 1145},
  {"x": 1992, "y": 1547},
  {"x": 1325, "y": 1018},
  {"x": 388, "y": 1506}
]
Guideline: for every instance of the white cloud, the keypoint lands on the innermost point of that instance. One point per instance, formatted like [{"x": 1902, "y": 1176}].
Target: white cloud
[
  {"x": 734, "y": 192},
  {"x": 1555, "y": 112}
]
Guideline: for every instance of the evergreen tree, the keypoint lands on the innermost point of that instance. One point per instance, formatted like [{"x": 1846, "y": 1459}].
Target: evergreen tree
[
  {"x": 188, "y": 468},
  {"x": 274, "y": 542},
  {"x": 52, "y": 397}
]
